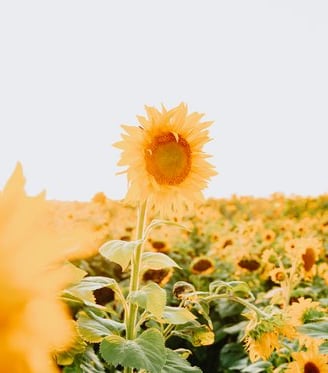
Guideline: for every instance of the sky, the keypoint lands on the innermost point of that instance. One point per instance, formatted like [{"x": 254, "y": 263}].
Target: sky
[{"x": 73, "y": 71}]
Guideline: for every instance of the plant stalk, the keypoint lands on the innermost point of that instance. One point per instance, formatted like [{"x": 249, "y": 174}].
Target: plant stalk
[
  {"x": 131, "y": 318},
  {"x": 131, "y": 314}
]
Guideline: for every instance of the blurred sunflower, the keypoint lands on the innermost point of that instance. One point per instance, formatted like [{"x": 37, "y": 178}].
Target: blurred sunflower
[
  {"x": 165, "y": 161},
  {"x": 202, "y": 265},
  {"x": 33, "y": 321},
  {"x": 307, "y": 252},
  {"x": 302, "y": 312},
  {"x": 310, "y": 361}
]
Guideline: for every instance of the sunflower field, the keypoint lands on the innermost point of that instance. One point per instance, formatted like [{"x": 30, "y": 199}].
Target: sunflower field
[{"x": 164, "y": 281}]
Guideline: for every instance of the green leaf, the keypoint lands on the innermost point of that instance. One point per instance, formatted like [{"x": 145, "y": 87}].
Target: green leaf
[
  {"x": 240, "y": 364},
  {"x": 235, "y": 328},
  {"x": 231, "y": 353},
  {"x": 79, "y": 300},
  {"x": 315, "y": 330},
  {"x": 120, "y": 252},
  {"x": 177, "y": 315},
  {"x": 88, "y": 362},
  {"x": 67, "y": 357},
  {"x": 175, "y": 363},
  {"x": 78, "y": 297},
  {"x": 157, "y": 261},
  {"x": 227, "y": 308},
  {"x": 258, "y": 367},
  {"x": 323, "y": 348},
  {"x": 145, "y": 352},
  {"x": 91, "y": 330},
  {"x": 151, "y": 297},
  {"x": 203, "y": 309},
  {"x": 84, "y": 289},
  {"x": 92, "y": 283},
  {"x": 114, "y": 326},
  {"x": 196, "y": 335}
]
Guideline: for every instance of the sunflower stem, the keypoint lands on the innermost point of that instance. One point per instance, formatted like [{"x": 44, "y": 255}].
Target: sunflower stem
[
  {"x": 236, "y": 299},
  {"x": 131, "y": 314},
  {"x": 131, "y": 317}
]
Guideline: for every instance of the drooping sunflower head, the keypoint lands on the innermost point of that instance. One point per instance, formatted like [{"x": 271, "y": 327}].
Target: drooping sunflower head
[{"x": 165, "y": 159}]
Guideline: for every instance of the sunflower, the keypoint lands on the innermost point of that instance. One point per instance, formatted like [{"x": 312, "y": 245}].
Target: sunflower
[
  {"x": 262, "y": 336},
  {"x": 33, "y": 320},
  {"x": 310, "y": 361},
  {"x": 304, "y": 311},
  {"x": 165, "y": 161},
  {"x": 202, "y": 265},
  {"x": 263, "y": 346},
  {"x": 307, "y": 252},
  {"x": 160, "y": 276}
]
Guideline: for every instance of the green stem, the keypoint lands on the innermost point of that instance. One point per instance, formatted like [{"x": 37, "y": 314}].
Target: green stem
[
  {"x": 131, "y": 318},
  {"x": 244, "y": 302}
]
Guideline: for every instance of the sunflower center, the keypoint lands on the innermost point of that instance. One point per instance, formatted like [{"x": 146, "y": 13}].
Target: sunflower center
[
  {"x": 168, "y": 159},
  {"x": 310, "y": 367},
  {"x": 202, "y": 265},
  {"x": 308, "y": 259}
]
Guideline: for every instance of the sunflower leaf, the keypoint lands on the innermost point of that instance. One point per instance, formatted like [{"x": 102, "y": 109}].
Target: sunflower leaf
[
  {"x": 258, "y": 367},
  {"x": 92, "y": 283},
  {"x": 145, "y": 352},
  {"x": 84, "y": 289},
  {"x": 177, "y": 315},
  {"x": 175, "y": 363},
  {"x": 197, "y": 335},
  {"x": 151, "y": 297},
  {"x": 91, "y": 330},
  {"x": 157, "y": 261},
  {"x": 315, "y": 330},
  {"x": 119, "y": 251},
  {"x": 88, "y": 362}
]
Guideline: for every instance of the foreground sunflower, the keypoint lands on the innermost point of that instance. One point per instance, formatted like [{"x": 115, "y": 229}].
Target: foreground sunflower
[
  {"x": 165, "y": 160},
  {"x": 33, "y": 321},
  {"x": 310, "y": 361}
]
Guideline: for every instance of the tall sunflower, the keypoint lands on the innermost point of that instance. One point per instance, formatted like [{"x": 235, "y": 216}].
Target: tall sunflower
[
  {"x": 33, "y": 321},
  {"x": 164, "y": 158}
]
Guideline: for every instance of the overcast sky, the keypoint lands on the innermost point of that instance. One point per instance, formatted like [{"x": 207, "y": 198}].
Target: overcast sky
[{"x": 73, "y": 71}]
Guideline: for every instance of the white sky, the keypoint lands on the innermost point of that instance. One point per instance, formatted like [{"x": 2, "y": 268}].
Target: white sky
[{"x": 72, "y": 71}]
